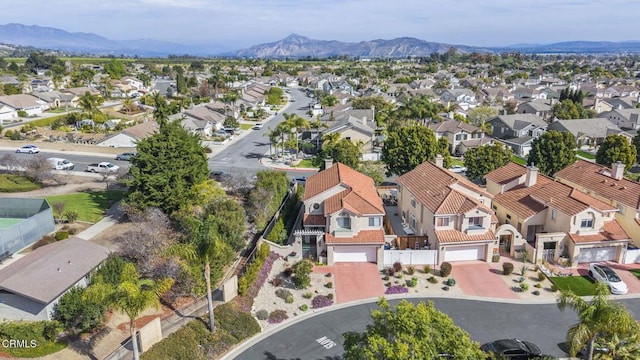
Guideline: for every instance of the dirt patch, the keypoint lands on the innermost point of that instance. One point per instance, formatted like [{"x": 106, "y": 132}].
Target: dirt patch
[{"x": 110, "y": 238}]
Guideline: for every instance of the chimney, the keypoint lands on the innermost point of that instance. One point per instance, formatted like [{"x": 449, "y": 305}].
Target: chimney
[
  {"x": 531, "y": 176},
  {"x": 617, "y": 170},
  {"x": 439, "y": 161},
  {"x": 364, "y": 120},
  {"x": 328, "y": 162}
]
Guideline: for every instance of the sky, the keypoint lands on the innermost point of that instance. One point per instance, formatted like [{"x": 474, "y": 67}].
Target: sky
[{"x": 238, "y": 24}]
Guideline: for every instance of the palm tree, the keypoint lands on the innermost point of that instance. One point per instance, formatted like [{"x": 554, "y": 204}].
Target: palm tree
[
  {"x": 296, "y": 124},
  {"x": 620, "y": 348},
  {"x": 205, "y": 245},
  {"x": 330, "y": 139},
  {"x": 89, "y": 103},
  {"x": 133, "y": 295},
  {"x": 598, "y": 317}
]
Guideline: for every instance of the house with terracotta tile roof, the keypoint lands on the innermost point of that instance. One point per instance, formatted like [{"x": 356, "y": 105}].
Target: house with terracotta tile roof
[
  {"x": 343, "y": 217},
  {"x": 453, "y": 212},
  {"x": 547, "y": 219},
  {"x": 609, "y": 186}
]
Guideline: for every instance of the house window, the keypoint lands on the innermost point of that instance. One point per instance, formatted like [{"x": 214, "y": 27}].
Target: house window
[
  {"x": 586, "y": 223},
  {"x": 461, "y": 137},
  {"x": 495, "y": 208},
  {"x": 413, "y": 202},
  {"x": 442, "y": 221},
  {"x": 554, "y": 214},
  {"x": 344, "y": 221},
  {"x": 475, "y": 222},
  {"x": 413, "y": 222},
  {"x": 508, "y": 216},
  {"x": 375, "y": 221}
]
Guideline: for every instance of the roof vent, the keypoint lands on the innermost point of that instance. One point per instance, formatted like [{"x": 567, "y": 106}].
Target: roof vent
[
  {"x": 69, "y": 262},
  {"x": 59, "y": 270}
]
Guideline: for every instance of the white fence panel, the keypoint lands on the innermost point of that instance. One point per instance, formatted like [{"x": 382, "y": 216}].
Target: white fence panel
[
  {"x": 410, "y": 257},
  {"x": 632, "y": 256}
]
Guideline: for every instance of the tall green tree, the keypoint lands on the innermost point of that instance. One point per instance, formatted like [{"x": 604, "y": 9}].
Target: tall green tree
[
  {"x": 344, "y": 151},
  {"x": 552, "y": 151},
  {"x": 443, "y": 149},
  {"x": 410, "y": 332},
  {"x": 482, "y": 160},
  {"x": 133, "y": 295},
  {"x": 636, "y": 143},
  {"x": 480, "y": 115},
  {"x": 407, "y": 147},
  {"x": 168, "y": 166},
  {"x": 90, "y": 103},
  {"x": 419, "y": 108},
  {"x": 115, "y": 68},
  {"x": 616, "y": 148},
  {"x": 598, "y": 317}
]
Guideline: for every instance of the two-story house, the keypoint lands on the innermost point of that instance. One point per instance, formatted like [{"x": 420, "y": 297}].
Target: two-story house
[
  {"x": 517, "y": 130},
  {"x": 610, "y": 186},
  {"x": 541, "y": 108},
  {"x": 343, "y": 217},
  {"x": 457, "y": 132},
  {"x": 554, "y": 219},
  {"x": 624, "y": 118},
  {"x": 453, "y": 212},
  {"x": 458, "y": 95}
]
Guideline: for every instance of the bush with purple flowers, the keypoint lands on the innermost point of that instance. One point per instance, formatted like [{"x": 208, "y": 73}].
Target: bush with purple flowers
[
  {"x": 278, "y": 316},
  {"x": 321, "y": 301},
  {"x": 396, "y": 289}
]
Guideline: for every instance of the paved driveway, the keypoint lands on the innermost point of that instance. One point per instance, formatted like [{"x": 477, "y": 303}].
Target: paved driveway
[
  {"x": 477, "y": 278},
  {"x": 622, "y": 270},
  {"x": 354, "y": 281}
]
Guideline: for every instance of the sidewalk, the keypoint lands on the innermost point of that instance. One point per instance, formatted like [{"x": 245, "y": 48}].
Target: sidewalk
[{"x": 267, "y": 161}]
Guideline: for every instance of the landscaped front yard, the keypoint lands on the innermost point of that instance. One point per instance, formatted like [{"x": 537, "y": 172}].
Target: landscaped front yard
[
  {"x": 579, "y": 285},
  {"x": 91, "y": 206},
  {"x": 17, "y": 183}
]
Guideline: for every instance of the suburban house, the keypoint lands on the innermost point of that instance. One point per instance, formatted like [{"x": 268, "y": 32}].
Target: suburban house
[
  {"x": 7, "y": 113},
  {"x": 610, "y": 186},
  {"x": 458, "y": 95},
  {"x": 589, "y": 133},
  {"x": 203, "y": 120},
  {"x": 130, "y": 136},
  {"x": 517, "y": 130},
  {"x": 354, "y": 125},
  {"x": 24, "y": 102},
  {"x": 623, "y": 118},
  {"x": 31, "y": 286},
  {"x": 343, "y": 217},
  {"x": 456, "y": 132},
  {"x": 541, "y": 108},
  {"x": 547, "y": 219},
  {"x": 453, "y": 212}
]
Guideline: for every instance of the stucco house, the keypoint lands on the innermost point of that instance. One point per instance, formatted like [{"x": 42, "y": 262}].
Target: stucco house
[
  {"x": 610, "y": 186},
  {"x": 517, "y": 130},
  {"x": 31, "y": 286},
  {"x": 624, "y": 118},
  {"x": 453, "y": 212},
  {"x": 24, "y": 102},
  {"x": 128, "y": 137},
  {"x": 343, "y": 217},
  {"x": 457, "y": 132},
  {"x": 541, "y": 108},
  {"x": 550, "y": 219},
  {"x": 589, "y": 133}
]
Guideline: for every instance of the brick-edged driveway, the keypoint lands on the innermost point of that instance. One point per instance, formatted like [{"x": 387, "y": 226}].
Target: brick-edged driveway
[
  {"x": 478, "y": 278},
  {"x": 354, "y": 281}
]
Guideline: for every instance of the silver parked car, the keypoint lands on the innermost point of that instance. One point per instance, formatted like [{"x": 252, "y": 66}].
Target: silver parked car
[{"x": 604, "y": 274}]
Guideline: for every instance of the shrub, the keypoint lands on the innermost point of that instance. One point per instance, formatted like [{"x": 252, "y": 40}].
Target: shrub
[
  {"x": 304, "y": 307},
  {"x": 450, "y": 282},
  {"x": 79, "y": 314},
  {"x": 330, "y": 296},
  {"x": 307, "y": 295},
  {"x": 536, "y": 292},
  {"x": 321, "y": 301},
  {"x": 61, "y": 235},
  {"x": 523, "y": 269},
  {"x": 302, "y": 269},
  {"x": 524, "y": 286},
  {"x": 45, "y": 334},
  {"x": 289, "y": 299},
  {"x": 327, "y": 275},
  {"x": 397, "y": 266},
  {"x": 507, "y": 268},
  {"x": 389, "y": 271},
  {"x": 283, "y": 293},
  {"x": 427, "y": 269},
  {"x": 411, "y": 269},
  {"x": 432, "y": 280},
  {"x": 262, "y": 314},
  {"x": 541, "y": 276},
  {"x": 396, "y": 289},
  {"x": 413, "y": 282},
  {"x": 287, "y": 272},
  {"x": 399, "y": 275},
  {"x": 385, "y": 278},
  {"x": 276, "y": 281},
  {"x": 329, "y": 285},
  {"x": 277, "y": 316},
  {"x": 445, "y": 288},
  {"x": 554, "y": 287},
  {"x": 257, "y": 272},
  {"x": 71, "y": 215},
  {"x": 387, "y": 284},
  {"x": 445, "y": 269},
  {"x": 521, "y": 279},
  {"x": 495, "y": 258},
  {"x": 236, "y": 322},
  {"x": 537, "y": 285}
]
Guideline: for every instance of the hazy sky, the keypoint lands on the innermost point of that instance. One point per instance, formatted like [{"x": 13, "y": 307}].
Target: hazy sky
[{"x": 237, "y": 24}]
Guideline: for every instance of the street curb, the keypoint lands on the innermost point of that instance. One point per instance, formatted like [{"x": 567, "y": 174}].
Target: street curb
[{"x": 288, "y": 168}]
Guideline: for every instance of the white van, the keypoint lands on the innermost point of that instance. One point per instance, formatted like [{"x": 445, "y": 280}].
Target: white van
[{"x": 60, "y": 164}]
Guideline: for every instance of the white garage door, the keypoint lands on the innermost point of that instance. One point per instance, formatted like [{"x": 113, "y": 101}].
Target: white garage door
[
  {"x": 597, "y": 254},
  {"x": 462, "y": 253},
  {"x": 354, "y": 254}
]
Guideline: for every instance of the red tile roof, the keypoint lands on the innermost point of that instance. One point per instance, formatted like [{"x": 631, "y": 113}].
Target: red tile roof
[
  {"x": 363, "y": 237},
  {"x": 313, "y": 220},
  {"x": 597, "y": 179},
  {"x": 612, "y": 231},
  {"x": 359, "y": 197},
  {"x": 506, "y": 174},
  {"x": 455, "y": 236}
]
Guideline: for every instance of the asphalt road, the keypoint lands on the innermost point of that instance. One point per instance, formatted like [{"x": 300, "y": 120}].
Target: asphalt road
[{"x": 543, "y": 325}]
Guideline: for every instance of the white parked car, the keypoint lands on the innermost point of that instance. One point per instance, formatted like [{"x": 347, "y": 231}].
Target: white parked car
[
  {"x": 458, "y": 169},
  {"x": 606, "y": 275},
  {"x": 29, "y": 149}
]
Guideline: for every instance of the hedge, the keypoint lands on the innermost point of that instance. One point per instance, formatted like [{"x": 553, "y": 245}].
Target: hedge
[{"x": 43, "y": 333}]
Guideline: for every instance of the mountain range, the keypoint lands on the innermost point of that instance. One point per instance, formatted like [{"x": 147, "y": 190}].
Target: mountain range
[{"x": 293, "y": 46}]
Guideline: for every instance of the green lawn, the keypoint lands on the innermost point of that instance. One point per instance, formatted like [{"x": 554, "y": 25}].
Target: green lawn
[
  {"x": 635, "y": 272},
  {"x": 586, "y": 155},
  {"x": 306, "y": 163},
  {"x": 457, "y": 161},
  {"x": 17, "y": 183},
  {"x": 579, "y": 285},
  {"x": 91, "y": 206},
  {"x": 246, "y": 126},
  {"x": 518, "y": 160}
]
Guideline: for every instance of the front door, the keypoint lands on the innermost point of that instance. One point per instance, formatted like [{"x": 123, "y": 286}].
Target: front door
[
  {"x": 309, "y": 247},
  {"x": 505, "y": 244}
]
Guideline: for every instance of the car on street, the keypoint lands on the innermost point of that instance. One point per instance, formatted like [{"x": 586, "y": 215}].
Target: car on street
[
  {"x": 458, "y": 169},
  {"x": 60, "y": 164},
  {"x": 29, "y": 149},
  {"x": 102, "y": 167},
  {"x": 512, "y": 349},
  {"x": 257, "y": 126},
  {"x": 126, "y": 156},
  {"x": 300, "y": 180},
  {"x": 606, "y": 275}
]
